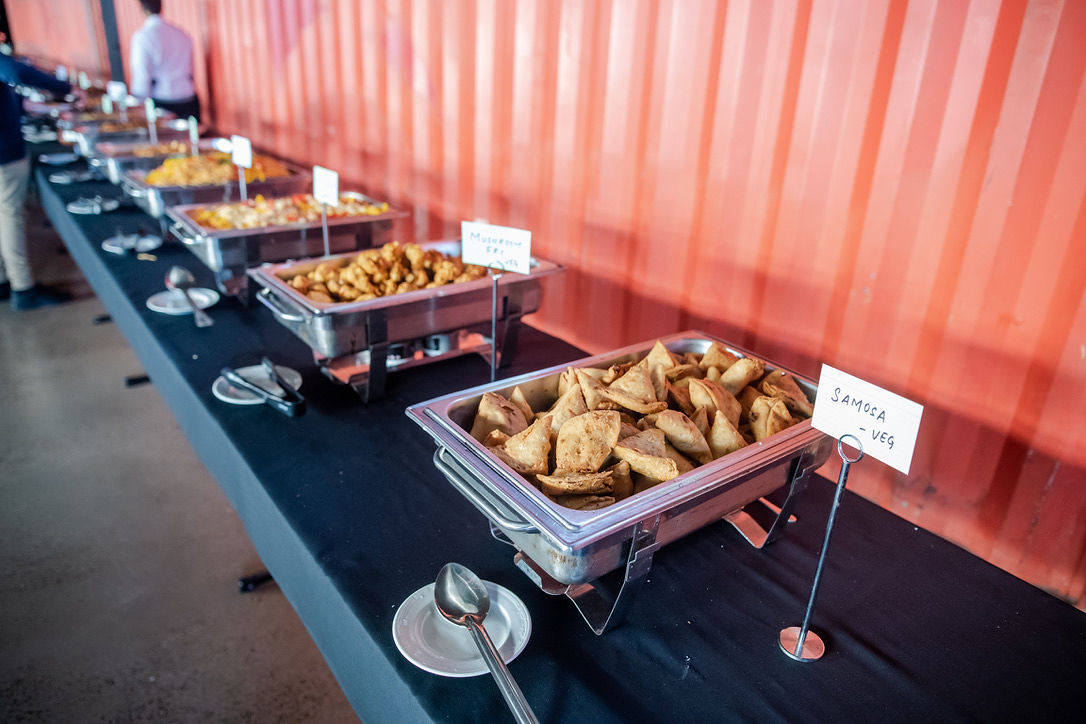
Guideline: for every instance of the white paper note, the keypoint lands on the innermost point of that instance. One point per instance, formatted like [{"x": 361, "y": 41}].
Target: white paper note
[
  {"x": 497, "y": 247},
  {"x": 326, "y": 185},
  {"x": 886, "y": 424},
  {"x": 241, "y": 151}
]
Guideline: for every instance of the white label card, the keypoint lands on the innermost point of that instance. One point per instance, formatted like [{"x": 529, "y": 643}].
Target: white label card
[
  {"x": 326, "y": 186},
  {"x": 886, "y": 424},
  {"x": 107, "y": 105},
  {"x": 84, "y": 80},
  {"x": 149, "y": 109},
  {"x": 497, "y": 247},
  {"x": 62, "y": 72},
  {"x": 117, "y": 90},
  {"x": 241, "y": 151}
]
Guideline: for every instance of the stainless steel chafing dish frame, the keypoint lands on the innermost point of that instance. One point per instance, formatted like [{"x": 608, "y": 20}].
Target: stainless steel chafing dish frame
[
  {"x": 567, "y": 551},
  {"x": 230, "y": 253},
  {"x": 154, "y": 200},
  {"x": 86, "y": 136},
  {"x": 115, "y": 154},
  {"x": 357, "y": 343},
  {"x": 68, "y": 119}
]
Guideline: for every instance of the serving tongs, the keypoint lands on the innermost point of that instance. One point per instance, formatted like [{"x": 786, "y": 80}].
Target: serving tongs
[{"x": 290, "y": 403}]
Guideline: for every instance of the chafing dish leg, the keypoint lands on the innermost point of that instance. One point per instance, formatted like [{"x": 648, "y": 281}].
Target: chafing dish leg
[
  {"x": 753, "y": 530},
  {"x": 600, "y": 611},
  {"x": 508, "y": 335}
]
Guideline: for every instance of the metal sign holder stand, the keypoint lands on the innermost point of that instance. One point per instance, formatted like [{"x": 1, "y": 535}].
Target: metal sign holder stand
[
  {"x": 494, "y": 277},
  {"x": 799, "y": 642}
]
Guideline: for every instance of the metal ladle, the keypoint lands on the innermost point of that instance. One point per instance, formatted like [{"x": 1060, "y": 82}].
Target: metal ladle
[
  {"x": 461, "y": 597},
  {"x": 181, "y": 278}
]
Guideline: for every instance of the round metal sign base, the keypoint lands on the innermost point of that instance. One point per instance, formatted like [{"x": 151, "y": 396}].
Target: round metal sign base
[{"x": 813, "y": 648}]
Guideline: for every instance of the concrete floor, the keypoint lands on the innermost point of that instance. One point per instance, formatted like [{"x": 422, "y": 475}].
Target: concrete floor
[{"x": 119, "y": 555}]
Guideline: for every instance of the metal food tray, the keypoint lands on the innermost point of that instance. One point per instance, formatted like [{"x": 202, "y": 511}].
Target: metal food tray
[
  {"x": 564, "y": 550},
  {"x": 70, "y": 120},
  {"x": 86, "y": 138},
  {"x": 229, "y": 253},
  {"x": 339, "y": 329},
  {"x": 116, "y": 156},
  {"x": 156, "y": 199}
]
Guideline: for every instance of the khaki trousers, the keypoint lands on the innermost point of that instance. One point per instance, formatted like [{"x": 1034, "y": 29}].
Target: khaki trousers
[{"x": 14, "y": 178}]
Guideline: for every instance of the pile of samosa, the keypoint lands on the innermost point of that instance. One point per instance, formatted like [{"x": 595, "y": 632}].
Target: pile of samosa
[{"x": 617, "y": 431}]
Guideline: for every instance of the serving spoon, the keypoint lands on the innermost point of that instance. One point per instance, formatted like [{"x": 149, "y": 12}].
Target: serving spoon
[
  {"x": 181, "y": 278},
  {"x": 461, "y": 597}
]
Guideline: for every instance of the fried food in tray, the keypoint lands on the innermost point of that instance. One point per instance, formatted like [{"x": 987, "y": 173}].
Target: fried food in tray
[
  {"x": 391, "y": 269},
  {"x": 613, "y": 433},
  {"x": 260, "y": 212},
  {"x": 137, "y": 124},
  {"x": 167, "y": 148},
  {"x": 212, "y": 169}
]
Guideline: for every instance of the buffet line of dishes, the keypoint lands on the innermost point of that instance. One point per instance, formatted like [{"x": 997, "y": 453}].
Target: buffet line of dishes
[{"x": 582, "y": 468}]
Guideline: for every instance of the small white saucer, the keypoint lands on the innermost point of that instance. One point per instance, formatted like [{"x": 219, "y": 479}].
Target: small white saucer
[
  {"x": 131, "y": 242},
  {"x": 98, "y": 205},
  {"x": 439, "y": 646},
  {"x": 172, "y": 301},
  {"x": 259, "y": 377},
  {"x": 58, "y": 159}
]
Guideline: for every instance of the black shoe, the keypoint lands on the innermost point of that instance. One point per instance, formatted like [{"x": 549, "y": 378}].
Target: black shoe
[
  {"x": 36, "y": 296},
  {"x": 5, "y": 291}
]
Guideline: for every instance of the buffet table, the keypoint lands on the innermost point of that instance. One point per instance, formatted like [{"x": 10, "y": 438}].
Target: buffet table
[{"x": 349, "y": 514}]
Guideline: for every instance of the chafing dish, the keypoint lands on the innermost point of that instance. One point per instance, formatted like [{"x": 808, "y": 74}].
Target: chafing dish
[
  {"x": 117, "y": 156},
  {"x": 565, "y": 551},
  {"x": 230, "y": 252},
  {"x": 86, "y": 138},
  {"x": 156, "y": 199},
  {"x": 76, "y": 118},
  {"x": 357, "y": 342}
]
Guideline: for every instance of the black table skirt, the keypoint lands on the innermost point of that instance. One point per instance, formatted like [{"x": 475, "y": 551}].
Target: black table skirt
[{"x": 347, "y": 511}]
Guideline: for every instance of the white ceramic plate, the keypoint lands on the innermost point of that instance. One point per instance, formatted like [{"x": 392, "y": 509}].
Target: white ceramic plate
[
  {"x": 58, "y": 159},
  {"x": 441, "y": 647},
  {"x": 172, "y": 301},
  {"x": 259, "y": 377},
  {"x": 131, "y": 242},
  {"x": 92, "y": 206}
]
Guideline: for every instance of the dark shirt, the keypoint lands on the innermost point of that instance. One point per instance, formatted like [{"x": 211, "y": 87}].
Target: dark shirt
[{"x": 13, "y": 73}]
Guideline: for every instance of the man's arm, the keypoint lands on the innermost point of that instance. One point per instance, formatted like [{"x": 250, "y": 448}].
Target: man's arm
[
  {"x": 13, "y": 72},
  {"x": 140, "y": 67}
]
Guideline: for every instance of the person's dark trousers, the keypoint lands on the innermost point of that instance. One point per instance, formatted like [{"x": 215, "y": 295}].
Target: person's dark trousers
[{"x": 183, "y": 109}]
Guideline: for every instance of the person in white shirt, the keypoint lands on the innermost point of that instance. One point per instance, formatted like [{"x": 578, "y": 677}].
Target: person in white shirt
[{"x": 161, "y": 64}]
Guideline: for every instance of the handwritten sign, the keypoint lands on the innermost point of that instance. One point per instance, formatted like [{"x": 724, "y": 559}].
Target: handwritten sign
[
  {"x": 326, "y": 185},
  {"x": 117, "y": 90},
  {"x": 241, "y": 151},
  {"x": 497, "y": 247},
  {"x": 886, "y": 424}
]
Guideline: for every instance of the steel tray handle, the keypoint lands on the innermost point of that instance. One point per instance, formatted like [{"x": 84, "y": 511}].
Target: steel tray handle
[
  {"x": 132, "y": 190},
  {"x": 277, "y": 308},
  {"x": 505, "y": 521},
  {"x": 182, "y": 235}
]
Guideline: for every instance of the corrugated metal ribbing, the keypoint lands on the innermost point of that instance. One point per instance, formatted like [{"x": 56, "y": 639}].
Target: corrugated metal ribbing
[
  {"x": 895, "y": 187},
  {"x": 65, "y": 32}
]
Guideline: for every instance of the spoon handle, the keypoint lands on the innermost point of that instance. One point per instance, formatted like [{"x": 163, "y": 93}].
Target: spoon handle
[
  {"x": 514, "y": 697},
  {"x": 202, "y": 320}
]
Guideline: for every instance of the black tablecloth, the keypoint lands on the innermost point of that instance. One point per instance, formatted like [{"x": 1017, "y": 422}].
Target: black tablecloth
[{"x": 349, "y": 514}]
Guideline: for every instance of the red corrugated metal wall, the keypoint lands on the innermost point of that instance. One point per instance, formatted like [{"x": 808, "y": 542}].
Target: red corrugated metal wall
[
  {"x": 894, "y": 187},
  {"x": 65, "y": 32}
]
